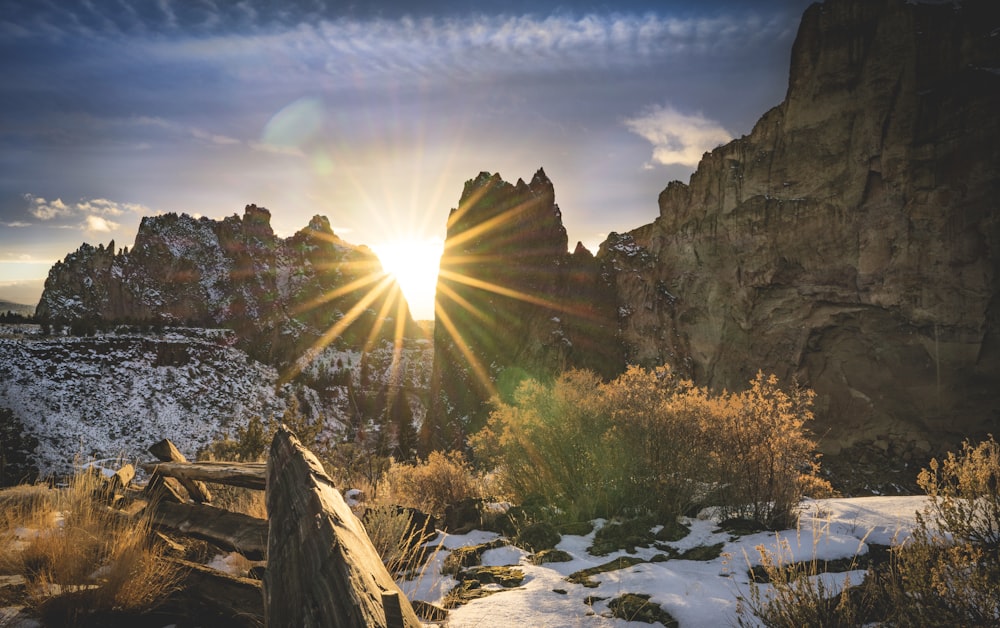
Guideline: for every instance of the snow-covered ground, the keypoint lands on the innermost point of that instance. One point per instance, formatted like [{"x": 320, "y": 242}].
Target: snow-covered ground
[{"x": 696, "y": 593}]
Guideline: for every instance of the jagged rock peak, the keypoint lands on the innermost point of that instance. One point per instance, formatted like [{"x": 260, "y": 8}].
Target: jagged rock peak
[
  {"x": 234, "y": 273},
  {"x": 320, "y": 224}
]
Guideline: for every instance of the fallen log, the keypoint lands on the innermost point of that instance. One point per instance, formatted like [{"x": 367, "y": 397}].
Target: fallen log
[
  {"x": 168, "y": 452},
  {"x": 322, "y": 568},
  {"x": 229, "y": 530},
  {"x": 233, "y": 596},
  {"x": 244, "y": 474}
]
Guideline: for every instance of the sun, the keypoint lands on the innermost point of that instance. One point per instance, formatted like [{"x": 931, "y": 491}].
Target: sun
[{"x": 414, "y": 263}]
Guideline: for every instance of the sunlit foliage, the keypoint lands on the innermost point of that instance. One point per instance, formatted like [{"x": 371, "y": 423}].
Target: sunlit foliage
[{"x": 652, "y": 442}]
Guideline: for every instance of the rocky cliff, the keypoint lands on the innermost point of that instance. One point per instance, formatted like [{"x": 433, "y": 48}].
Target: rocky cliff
[
  {"x": 512, "y": 302},
  {"x": 850, "y": 240},
  {"x": 279, "y": 295}
]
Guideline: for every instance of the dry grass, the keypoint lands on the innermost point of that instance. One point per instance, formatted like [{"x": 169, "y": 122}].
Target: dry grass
[
  {"x": 78, "y": 554},
  {"x": 245, "y": 501},
  {"x": 433, "y": 484}
]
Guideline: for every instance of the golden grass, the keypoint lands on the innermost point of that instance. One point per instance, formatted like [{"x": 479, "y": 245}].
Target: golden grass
[{"x": 71, "y": 547}]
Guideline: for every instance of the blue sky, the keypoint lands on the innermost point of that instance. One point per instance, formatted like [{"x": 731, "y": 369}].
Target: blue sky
[{"x": 373, "y": 113}]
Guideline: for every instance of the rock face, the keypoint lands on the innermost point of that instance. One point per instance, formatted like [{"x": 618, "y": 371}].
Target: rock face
[
  {"x": 850, "y": 240},
  {"x": 279, "y": 295},
  {"x": 513, "y": 303}
]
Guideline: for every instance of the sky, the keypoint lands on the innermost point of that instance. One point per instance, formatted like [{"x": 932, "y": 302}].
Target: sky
[{"x": 373, "y": 114}]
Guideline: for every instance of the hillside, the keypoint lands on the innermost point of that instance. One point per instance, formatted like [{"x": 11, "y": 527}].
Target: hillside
[{"x": 115, "y": 393}]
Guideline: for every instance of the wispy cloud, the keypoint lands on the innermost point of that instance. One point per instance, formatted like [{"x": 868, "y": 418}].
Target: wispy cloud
[
  {"x": 677, "y": 138},
  {"x": 17, "y": 224},
  {"x": 469, "y": 47},
  {"x": 47, "y": 210},
  {"x": 99, "y": 224},
  {"x": 91, "y": 212}
]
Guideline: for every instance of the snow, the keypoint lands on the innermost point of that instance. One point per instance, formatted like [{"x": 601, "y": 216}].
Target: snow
[{"x": 696, "y": 593}]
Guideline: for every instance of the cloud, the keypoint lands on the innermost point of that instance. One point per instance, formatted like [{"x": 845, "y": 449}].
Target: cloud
[
  {"x": 16, "y": 224},
  {"x": 213, "y": 138},
  {"x": 47, "y": 210},
  {"x": 677, "y": 138},
  {"x": 92, "y": 209},
  {"x": 443, "y": 49},
  {"x": 98, "y": 224}
]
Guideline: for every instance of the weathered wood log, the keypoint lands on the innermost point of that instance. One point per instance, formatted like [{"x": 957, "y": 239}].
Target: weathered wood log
[
  {"x": 165, "y": 489},
  {"x": 229, "y": 530},
  {"x": 240, "y": 597},
  {"x": 244, "y": 474},
  {"x": 322, "y": 568},
  {"x": 168, "y": 452}
]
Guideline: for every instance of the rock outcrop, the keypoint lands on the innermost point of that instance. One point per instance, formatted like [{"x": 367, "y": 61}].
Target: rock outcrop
[
  {"x": 279, "y": 295},
  {"x": 513, "y": 303},
  {"x": 851, "y": 241}
]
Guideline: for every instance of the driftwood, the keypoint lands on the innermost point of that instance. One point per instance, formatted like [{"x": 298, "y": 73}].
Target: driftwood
[
  {"x": 229, "y": 530},
  {"x": 244, "y": 474},
  {"x": 322, "y": 567},
  {"x": 168, "y": 452},
  {"x": 238, "y": 597}
]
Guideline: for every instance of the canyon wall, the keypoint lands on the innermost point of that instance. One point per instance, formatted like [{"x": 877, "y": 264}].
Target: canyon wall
[{"x": 849, "y": 241}]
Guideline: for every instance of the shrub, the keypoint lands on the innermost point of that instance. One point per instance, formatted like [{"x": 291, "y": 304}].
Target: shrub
[
  {"x": 553, "y": 450},
  {"x": 948, "y": 572},
  {"x": 649, "y": 442},
  {"x": 432, "y": 485},
  {"x": 399, "y": 541},
  {"x": 763, "y": 460}
]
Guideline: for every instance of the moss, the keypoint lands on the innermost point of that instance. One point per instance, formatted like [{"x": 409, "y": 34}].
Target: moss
[
  {"x": 702, "y": 552},
  {"x": 550, "y": 556},
  {"x": 467, "y": 556},
  {"x": 584, "y": 575},
  {"x": 637, "y": 607},
  {"x": 626, "y": 535},
  {"x": 673, "y": 531},
  {"x": 471, "y": 581},
  {"x": 577, "y": 528},
  {"x": 538, "y": 537}
]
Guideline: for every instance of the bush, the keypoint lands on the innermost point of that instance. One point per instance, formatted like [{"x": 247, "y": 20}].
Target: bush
[
  {"x": 948, "y": 572},
  {"x": 432, "y": 485},
  {"x": 649, "y": 442},
  {"x": 762, "y": 458}
]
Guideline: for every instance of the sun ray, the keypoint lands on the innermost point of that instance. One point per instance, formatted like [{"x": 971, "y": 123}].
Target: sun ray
[
  {"x": 502, "y": 290},
  {"x": 448, "y": 291},
  {"x": 477, "y": 367},
  {"x": 455, "y": 240},
  {"x": 336, "y": 330},
  {"x": 383, "y": 313},
  {"x": 342, "y": 290}
]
